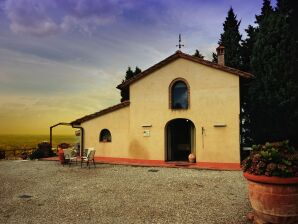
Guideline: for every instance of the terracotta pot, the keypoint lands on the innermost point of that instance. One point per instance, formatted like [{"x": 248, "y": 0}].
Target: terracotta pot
[
  {"x": 273, "y": 199},
  {"x": 191, "y": 158}
]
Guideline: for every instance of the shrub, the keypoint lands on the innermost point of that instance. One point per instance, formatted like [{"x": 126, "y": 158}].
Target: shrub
[
  {"x": 43, "y": 150},
  {"x": 37, "y": 154},
  {"x": 272, "y": 159},
  {"x": 46, "y": 148}
]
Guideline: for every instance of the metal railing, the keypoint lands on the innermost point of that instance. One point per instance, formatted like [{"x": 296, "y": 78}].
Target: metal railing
[{"x": 15, "y": 153}]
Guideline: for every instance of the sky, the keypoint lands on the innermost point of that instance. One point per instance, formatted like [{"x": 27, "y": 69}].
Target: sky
[{"x": 62, "y": 59}]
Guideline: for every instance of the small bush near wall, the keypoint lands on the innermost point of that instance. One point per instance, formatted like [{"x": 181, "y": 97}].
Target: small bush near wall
[{"x": 43, "y": 150}]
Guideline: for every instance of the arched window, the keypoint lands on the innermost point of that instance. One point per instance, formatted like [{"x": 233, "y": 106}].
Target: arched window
[
  {"x": 105, "y": 136},
  {"x": 179, "y": 94}
]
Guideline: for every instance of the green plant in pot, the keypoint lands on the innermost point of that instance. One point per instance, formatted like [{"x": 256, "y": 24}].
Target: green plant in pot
[{"x": 272, "y": 174}]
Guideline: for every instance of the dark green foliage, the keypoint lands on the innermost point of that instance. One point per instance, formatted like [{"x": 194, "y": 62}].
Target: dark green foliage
[
  {"x": 198, "y": 54},
  {"x": 129, "y": 74},
  {"x": 214, "y": 58},
  {"x": 137, "y": 71},
  {"x": 246, "y": 53},
  {"x": 43, "y": 150},
  {"x": 2, "y": 154},
  {"x": 273, "y": 94},
  {"x": 230, "y": 39},
  {"x": 37, "y": 154},
  {"x": 265, "y": 11},
  {"x": 124, "y": 94},
  {"x": 293, "y": 18},
  {"x": 246, "y": 49}
]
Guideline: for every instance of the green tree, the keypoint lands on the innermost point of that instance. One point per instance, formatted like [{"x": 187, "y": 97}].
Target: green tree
[
  {"x": 248, "y": 43},
  {"x": 137, "y": 71},
  {"x": 265, "y": 11},
  {"x": 214, "y": 57},
  {"x": 246, "y": 55},
  {"x": 246, "y": 48},
  {"x": 273, "y": 94},
  {"x": 230, "y": 39},
  {"x": 198, "y": 54},
  {"x": 128, "y": 75}
]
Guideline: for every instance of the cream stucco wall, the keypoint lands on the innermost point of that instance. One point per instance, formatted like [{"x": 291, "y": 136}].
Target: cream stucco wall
[
  {"x": 214, "y": 99},
  {"x": 117, "y": 122}
]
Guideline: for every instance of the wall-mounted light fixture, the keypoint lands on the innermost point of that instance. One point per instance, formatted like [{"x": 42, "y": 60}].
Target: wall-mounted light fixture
[
  {"x": 147, "y": 125},
  {"x": 219, "y": 125}
]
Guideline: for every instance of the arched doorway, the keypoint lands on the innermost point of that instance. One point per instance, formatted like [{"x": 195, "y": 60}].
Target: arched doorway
[{"x": 179, "y": 139}]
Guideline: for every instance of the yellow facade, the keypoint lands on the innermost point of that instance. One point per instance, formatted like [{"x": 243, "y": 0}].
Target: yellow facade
[{"x": 214, "y": 109}]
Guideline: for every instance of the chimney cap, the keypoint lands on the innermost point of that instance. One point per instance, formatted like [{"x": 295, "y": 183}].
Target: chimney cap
[
  {"x": 220, "y": 55},
  {"x": 220, "y": 47}
]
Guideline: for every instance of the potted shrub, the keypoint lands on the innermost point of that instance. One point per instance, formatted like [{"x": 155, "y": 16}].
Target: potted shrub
[{"x": 272, "y": 174}]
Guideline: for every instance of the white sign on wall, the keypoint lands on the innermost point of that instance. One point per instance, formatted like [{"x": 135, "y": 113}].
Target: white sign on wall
[{"x": 146, "y": 133}]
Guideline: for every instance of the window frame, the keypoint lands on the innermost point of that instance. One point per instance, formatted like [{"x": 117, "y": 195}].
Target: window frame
[
  {"x": 103, "y": 138},
  {"x": 172, "y": 84}
]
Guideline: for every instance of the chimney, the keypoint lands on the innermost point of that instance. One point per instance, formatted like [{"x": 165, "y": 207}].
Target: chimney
[{"x": 220, "y": 55}]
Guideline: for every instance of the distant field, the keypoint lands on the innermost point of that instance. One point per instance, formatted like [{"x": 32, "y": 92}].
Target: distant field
[{"x": 30, "y": 141}]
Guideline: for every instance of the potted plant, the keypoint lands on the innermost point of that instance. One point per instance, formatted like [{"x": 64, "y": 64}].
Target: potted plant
[{"x": 272, "y": 174}]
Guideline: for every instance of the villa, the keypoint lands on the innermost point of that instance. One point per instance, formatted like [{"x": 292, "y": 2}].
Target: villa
[{"x": 181, "y": 105}]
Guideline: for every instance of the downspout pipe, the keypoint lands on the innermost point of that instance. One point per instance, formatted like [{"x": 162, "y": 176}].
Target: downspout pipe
[{"x": 82, "y": 137}]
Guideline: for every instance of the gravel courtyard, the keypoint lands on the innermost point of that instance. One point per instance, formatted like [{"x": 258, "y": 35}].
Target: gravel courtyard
[{"x": 46, "y": 192}]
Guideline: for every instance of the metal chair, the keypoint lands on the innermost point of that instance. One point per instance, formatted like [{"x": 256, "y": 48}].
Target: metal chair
[
  {"x": 69, "y": 156},
  {"x": 88, "y": 158}
]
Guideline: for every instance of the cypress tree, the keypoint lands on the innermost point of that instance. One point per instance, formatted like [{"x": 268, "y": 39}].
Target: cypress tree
[
  {"x": 265, "y": 11},
  {"x": 230, "y": 39},
  {"x": 273, "y": 92},
  {"x": 214, "y": 57},
  {"x": 128, "y": 75},
  {"x": 246, "y": 55},
  {"x": 137, "y": 71},
  {"x": 198, "y": 54},
  {"x": 246, "y": 49},
  {"x": 248, "y": 43}
]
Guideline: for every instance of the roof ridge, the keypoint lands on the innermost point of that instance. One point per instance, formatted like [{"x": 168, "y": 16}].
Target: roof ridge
[{"x": 180, "y": 54}]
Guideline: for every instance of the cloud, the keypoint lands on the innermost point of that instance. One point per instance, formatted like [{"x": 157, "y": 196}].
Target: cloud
[
  {"x": 46, "y": 17},
  {"x": 30, "y": 17}
]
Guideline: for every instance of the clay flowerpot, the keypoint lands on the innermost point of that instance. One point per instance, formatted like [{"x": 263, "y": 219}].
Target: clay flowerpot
[
  {"x": 273, "y": 199},
  {"x": 191, "y": 158}
]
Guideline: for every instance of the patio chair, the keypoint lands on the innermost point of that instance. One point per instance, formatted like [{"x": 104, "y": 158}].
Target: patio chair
[
  {"x": 88, "y": 158},
  {"x": 69, "y": 156}
]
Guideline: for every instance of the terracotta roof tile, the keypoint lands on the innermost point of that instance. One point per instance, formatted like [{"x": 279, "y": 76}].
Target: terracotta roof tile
[
  {"x": 177, "y": 55},
  {"x": 101, "y": 112}
]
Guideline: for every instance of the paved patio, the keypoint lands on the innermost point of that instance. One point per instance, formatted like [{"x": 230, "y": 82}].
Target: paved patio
[
  {"x": 46, "y": 192},
  {"x": 160, "y": 163}
]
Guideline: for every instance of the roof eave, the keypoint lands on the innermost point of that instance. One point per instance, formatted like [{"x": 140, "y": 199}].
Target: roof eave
[
  {"x": 100, "y": 113},
  {"x": 179, "y": 54}
]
